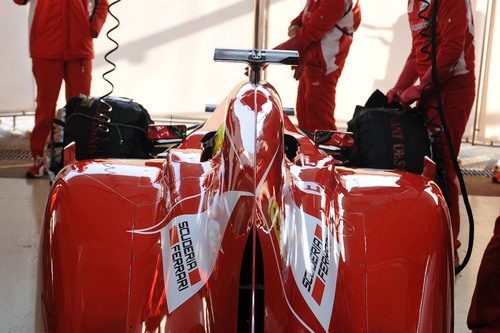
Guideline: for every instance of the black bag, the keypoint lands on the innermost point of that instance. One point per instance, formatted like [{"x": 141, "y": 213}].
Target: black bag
[
  {"x": 388, "y": 137},
  {"x": 113, "y": 127}
]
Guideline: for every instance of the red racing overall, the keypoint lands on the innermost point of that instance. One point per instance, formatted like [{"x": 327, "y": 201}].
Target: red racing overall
[
  {"x": 455, "y": 65},
  {"x": 61, "y": 47},
  {"x": 323, "y": 37},
  {"x": 484, "y": 311}
]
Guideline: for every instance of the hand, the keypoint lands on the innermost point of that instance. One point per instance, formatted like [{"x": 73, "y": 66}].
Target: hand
[
  {"x": 292, "y": 30},
  {"x": 298, "y": 71},
  {"x": 304, "y": 60},
  {"x": 393, "y": 95},
  {"x": 410, "y": 95}
]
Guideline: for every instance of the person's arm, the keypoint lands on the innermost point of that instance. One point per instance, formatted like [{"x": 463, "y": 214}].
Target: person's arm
[
  {"x": 407, "y": 78},
  {"x": 21, "y": 2},
  {"x": 98, "y": 17},
  {"x": 322, "y": 20},
  {"x": 290, "y": 45},
  {"x": 453, "y": 24}
]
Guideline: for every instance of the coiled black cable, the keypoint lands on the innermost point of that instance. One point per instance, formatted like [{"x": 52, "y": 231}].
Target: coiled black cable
[
  {"x": 435, "y": 128},
  {"x": 443, "y": 128},
  {"x": 106, "y": 108},
  {"x": 106, "y": 56}
]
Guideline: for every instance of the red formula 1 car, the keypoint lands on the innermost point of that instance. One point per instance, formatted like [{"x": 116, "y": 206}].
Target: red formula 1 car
[{"x": 246, "y": 226}]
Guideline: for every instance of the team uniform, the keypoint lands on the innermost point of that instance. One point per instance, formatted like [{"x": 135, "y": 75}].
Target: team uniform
[
  {"x": 323, "y": 39},
  {"x": 455, "y": 66},
  {"x": 484, "y": 311},
  {"x": 61, "y": 48}
]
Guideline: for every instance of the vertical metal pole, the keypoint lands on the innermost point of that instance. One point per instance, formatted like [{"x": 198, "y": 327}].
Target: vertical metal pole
[
  {"x": 267, "y": 5},
  {"x": 266, "y": 30},
  {"x": 482, "y": 82},
  {"x": 258, "y": 39}
]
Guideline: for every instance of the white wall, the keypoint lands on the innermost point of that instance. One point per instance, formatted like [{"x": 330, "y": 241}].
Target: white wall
[
  {"x": 166, "y": 51},
  {"x": 16, "y": 83},
  {"x": 479, "y": 8},
  {"x": 165, "y": 56},
  {"x": 165, "y": 59},
  {"x": 489, "y": 122}
]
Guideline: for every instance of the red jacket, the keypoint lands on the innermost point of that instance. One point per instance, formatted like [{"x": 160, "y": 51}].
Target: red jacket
[
  {"x": 63, "y": 29},
  {"x": 454, "y": 38},
  {"x": 326, "y": 28}
]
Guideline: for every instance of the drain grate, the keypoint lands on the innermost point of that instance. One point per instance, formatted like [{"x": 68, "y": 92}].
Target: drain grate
[
  {"x": 20, "y": 155},
  {"x": 478, "y": 172}
]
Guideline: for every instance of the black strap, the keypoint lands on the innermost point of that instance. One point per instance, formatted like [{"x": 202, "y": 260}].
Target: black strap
[
  {"x": 56, "y": 144},
  {"x": 59, "y": 122},
  {"x": 345, "y": 32},
  {"x": 105, "y": 122},
  {"x": 348, "y": 10},
  {"x": 96, "y": 3}
]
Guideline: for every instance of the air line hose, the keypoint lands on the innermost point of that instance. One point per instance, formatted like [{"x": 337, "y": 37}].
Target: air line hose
[{"x": 443, "y": 128}]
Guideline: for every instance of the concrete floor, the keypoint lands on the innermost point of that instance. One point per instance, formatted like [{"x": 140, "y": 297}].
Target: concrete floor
[{"x": 22, "y": 203}]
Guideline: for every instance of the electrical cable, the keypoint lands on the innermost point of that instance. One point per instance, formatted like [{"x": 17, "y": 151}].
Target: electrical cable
[
  {"x": 106, "y": 56},
  {"x": 104, "y": 111},
  {"x": 435, "y": 128},
  {"x": 443, "y": 128}
]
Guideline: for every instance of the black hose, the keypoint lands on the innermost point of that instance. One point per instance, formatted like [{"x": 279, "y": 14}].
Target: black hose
[
  {"x": 435, "y": 128},
  {"x": 445, "y": 129}
]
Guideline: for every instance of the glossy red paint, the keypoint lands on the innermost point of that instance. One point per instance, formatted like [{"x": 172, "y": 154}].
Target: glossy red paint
[
  {"x": 156, "y": 132},
  {"x": 158, "y": 245},
  {"x": 69, "y": 155},
  {"x": 429, "y": 170},
  {"x": 334, "y": 138}
]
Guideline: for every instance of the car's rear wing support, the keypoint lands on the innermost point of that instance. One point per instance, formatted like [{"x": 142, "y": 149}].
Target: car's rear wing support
[{"x": 257, "y": 59}]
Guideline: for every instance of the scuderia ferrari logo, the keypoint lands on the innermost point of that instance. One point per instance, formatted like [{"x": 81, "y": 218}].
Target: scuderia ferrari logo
[
  {"x": 183, "y": 257},
  {"x": 191, "y": 245},
  {"x": 315, "y": 279},
  {"x": 314, "y": 252}
]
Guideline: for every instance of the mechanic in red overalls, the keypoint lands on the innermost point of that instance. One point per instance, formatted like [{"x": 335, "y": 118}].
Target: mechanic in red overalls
[
  {"x": 484, "y": 311},
  {"x": 455, "y": 65},
  {"x": 61, "y": 48},
  {"x": 322, "y": 34}
]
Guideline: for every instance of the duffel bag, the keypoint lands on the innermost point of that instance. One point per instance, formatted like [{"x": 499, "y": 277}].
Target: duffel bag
[
  {"x": 112, "y": 127},
  {"x": 388, "y": 137}
]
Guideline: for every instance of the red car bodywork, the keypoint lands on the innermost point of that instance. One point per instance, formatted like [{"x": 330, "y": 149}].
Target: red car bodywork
[{"x": 158, "y": 245}]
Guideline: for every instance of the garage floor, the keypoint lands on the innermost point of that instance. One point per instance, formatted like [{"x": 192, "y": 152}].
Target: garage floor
[{"x": 22, "y": 203}]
